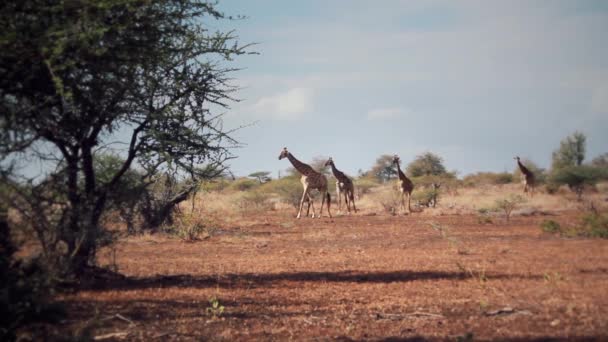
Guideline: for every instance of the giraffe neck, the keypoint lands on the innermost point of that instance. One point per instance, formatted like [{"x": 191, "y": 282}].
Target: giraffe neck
[
  {"x": 400, "y": 173},
  {"x": 523, "y": 169},
  {"x": 298, "y": 165},
  {"x": 337, "y": 173}
]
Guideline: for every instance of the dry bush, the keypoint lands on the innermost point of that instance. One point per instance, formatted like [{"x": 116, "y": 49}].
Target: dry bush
[
  {"x": 508, "y": 204},
  {"x": 364, "y": 186},
  {"x": 487, "y": 178},
  {"x": 287, "y": 189},
  {"x": 243, "y": 184},
  {"x": 188, "y": 226},
  {"x": 387, "y": 197},
  {"x": 254, "y": 200}
]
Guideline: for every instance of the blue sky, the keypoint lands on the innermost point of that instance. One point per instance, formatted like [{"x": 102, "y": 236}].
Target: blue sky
[{"x": 476, "y": 82}]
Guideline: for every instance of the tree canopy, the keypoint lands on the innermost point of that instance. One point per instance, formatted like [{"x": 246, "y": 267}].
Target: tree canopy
[
  {"x": 571, "y": 151},
  {"x": 426, "y": 164},
  {"x": 75, "y": 73},
  {"x": 383, "y": 169}
]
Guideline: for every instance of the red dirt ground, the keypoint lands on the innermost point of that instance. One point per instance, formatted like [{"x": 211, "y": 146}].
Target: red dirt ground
[{"x": 355, "y": 278}]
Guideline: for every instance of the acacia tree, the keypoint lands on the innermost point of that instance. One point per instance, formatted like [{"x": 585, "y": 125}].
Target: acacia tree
[
  {"x": 76, "y": 73},
  {"x": 571, "y": 151},
  {"x": 426, "y": 164},
  {"x": 384, "y": 169}
]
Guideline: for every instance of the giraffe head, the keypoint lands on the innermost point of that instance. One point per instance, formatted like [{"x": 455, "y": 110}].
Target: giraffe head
[
  {"x": 284, "y": 153},
  {"x": 516, "y": 158},
  {"x": 329, "y": 162},
  {"x": 396, "y": 159}
]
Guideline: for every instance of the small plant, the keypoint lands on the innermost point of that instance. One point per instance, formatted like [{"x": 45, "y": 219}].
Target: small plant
[
  {"x": 468, "y": 337},
  {"x": 479, "y": 275},
  {"x": 551, "y": 226},
  {"x": 553, "y": 277},
  {"x": 507, "y": 205},
  {"x": 483, "y": 304},
  {"x": 215, "y": 308},
  {"x": 454, "y": 242},
  {"x": 483, "y": 216}
]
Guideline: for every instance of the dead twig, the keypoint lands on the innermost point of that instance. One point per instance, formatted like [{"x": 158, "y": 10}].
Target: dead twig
[
  {"x": 398, "y": 317},
  {"x": 120, "y": 317},
  {"x": 122, "y": 334}
]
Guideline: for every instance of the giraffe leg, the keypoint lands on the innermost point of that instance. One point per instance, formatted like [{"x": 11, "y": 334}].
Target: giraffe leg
[
  {"x": 322, "y": 201},
  {"x": 338, "y": 195},
  {"x": 304, "y": 194},
  {"x": 402, "y": 207},
  {"x": 352, "y": 199},
  {"x": 312, "y": 204},
  {"x": 309, "y": 202},
  {"x": 409, "y": 199},
  {"x": 328, "y": 203}
]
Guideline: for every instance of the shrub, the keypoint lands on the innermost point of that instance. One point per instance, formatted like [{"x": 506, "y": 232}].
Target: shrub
[
  {"x": 254, "y": 199},
  {"x": 487, "y": 178},
  {"x": 215, "y": 185},
  {"x": 187, "y": 227},
  {"x": 389, "y": 198},
  {"x": 577, "y": 177},
  {"x": 25, "y": 289},
  {"x": 551, "y": 226},
  {"x": 507, "y": 205},
  {"x": 364, "y": 185},
  {"x": 595, "y": 225},
  {"x": 426, "y": 197},
  {"x": 243, "y": 184},
  {"x": 289, "y": 190},
  {"x": 483, "y": 216}
]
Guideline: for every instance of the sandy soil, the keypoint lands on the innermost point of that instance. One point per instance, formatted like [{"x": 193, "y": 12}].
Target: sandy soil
[{"x": 358, "y": 277}]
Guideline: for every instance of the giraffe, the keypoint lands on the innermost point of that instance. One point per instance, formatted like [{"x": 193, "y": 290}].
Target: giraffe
[
  {"x": 405, "y": 185},
  {"x": 344, "y": 185},
  {"x": 310, "y": 180},
  {"x": 529, "y": 179}
]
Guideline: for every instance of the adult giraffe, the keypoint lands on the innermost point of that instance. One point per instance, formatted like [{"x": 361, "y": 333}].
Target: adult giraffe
[
  {"x": 529, "y": 179},
  {"x": 310, "y": 180},
  {"x": 344, "y": 187},
  {"x": 405, "y": 185}
]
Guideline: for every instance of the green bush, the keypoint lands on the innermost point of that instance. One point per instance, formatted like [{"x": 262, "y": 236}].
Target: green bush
[
  {"x": 551, "y": 226},
  {"x": 215, "y": 185},
  {"x": 487, "y": 178},
  {"x": 507, "y": 205},
  {"x": 595, "y": 225},
  {"x": 288, "y": 189},
  {"x": 577, "y": 177},
  {"x": 243, "y": 184},
  {"x": 364, "y": 185},
  {"x": 426, "y": 197}
]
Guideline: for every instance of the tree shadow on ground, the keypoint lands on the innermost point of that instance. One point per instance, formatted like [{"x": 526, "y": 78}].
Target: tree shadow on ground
[{"x": 255, "y": 280}]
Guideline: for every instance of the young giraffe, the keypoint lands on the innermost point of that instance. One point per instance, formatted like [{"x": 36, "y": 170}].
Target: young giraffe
[
  {"x": 310, "y": 180},
  {"x": 529, "y": 180},
  {"x": 405, "y": 185},
  {"x": 344, "y": 185}
]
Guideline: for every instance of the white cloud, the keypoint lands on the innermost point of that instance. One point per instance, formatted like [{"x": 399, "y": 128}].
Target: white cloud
[
  {"x": 289, "y": 105},
  {"x": 385, "y": 113}
]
